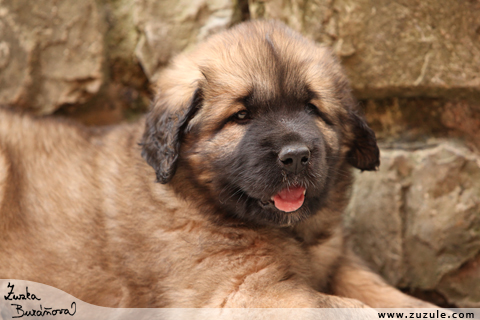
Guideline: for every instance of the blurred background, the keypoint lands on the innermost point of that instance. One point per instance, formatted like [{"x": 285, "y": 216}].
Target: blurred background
[{"x": 414, "y": 65}]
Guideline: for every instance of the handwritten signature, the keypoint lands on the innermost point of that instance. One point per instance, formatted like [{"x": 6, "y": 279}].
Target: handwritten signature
[{"x": 40, "y": 312}]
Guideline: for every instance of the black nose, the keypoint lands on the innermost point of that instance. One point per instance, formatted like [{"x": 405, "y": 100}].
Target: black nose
[{"x": 294, "y": 158}]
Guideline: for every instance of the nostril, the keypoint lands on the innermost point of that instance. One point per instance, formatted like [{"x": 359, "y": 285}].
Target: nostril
[
  {"x": 287, "y": 161},
  {"x": 304, "y": 160}
]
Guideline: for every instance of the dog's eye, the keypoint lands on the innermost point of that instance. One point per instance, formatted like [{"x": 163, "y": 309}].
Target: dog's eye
[
  {"x": 310, "y": 108},
  {"x": 242, "y": 116}
]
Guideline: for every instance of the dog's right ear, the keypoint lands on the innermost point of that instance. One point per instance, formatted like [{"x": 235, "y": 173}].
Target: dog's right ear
[{"x": 163, "y": 134}]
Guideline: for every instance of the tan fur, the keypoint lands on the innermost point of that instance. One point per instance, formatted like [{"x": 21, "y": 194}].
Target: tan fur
[{"x": 80, "y": 209}]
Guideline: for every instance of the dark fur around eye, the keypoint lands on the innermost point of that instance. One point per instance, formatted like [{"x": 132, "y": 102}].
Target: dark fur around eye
[{"x": 312, "y": 109}]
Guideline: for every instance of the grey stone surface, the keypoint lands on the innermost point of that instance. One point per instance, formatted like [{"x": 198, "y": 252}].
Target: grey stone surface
[
  {"x": 393, "y": 48},
  {"x": 51, "y": 52},
  {"x": 417, "y": 220},
  {"x": 169, "y": 27},
  {"x": 462, "y": 285}
]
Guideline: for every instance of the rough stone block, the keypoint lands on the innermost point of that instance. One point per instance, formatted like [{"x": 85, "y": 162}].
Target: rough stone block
[
  {"x": 417, "y": 220},
  {"x": 393, "y": 48},
  {"x": 51, "y": 52},
  {"x": 169, "y": 27}
]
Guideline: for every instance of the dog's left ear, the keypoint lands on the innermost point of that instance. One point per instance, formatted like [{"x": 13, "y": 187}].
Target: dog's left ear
[
  {"x": 364, "y": 153},
  {"x": 163, "y": 134},
  {"x": 363, "y": 150}
]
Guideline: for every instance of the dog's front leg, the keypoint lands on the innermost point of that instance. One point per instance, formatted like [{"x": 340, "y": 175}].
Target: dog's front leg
[{"x": 352, "y": 279}]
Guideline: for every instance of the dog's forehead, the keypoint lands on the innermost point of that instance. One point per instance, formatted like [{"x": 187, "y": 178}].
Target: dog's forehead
[
  {"x": 255, "y": 67},
  {"x": 267, "y": 65},
  {"x": 260, "y": 64}
]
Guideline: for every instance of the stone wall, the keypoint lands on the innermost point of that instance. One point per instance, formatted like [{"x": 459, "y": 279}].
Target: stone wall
[{"x": 414, "y": 65}]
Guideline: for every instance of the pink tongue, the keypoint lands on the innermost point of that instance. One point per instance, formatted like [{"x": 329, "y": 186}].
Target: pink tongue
[{"x": 289, "y": 199}]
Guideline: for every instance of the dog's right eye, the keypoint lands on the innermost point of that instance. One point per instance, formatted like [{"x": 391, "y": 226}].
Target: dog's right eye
[{"x": 241, "y": 116}]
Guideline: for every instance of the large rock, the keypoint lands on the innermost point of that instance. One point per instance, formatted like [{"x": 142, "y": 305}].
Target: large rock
[
  {"x": 417, "y": 220},
  {"x": 51, "y": 52},
  {"x": 393, "y": 48},
  {"x": 169, "y": 27},
  {"x": 462, "y": 285}
]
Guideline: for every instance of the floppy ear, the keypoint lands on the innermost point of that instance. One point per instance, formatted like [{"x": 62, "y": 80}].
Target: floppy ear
[
  {"x": 364, "y": 153},
  {"x": 163, "y": 134}
]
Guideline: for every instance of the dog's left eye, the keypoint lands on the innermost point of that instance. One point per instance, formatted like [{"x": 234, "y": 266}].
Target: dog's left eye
[
  {"x": 242, "y": 116},
  {"x": 312, "y": 109}
]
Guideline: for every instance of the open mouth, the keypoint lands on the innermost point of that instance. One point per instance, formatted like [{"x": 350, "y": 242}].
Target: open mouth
[{"x": 288, "y": 200}]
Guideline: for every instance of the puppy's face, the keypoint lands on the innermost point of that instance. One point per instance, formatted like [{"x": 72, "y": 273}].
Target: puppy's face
[{"x": 260, "y": 122}]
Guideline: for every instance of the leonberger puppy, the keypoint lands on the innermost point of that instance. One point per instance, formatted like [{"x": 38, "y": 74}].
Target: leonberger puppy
[{"x": 229, "y": 194}]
